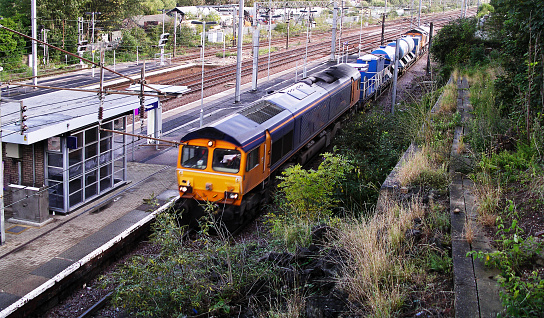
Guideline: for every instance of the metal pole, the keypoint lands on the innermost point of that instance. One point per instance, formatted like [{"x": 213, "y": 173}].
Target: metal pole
[
  {"x": 175, "y": 33},
  {"x": 239, "y": 52},
  {"x": 269, "y": 36},
  {"x": 394, "y": 93},
  {"x": 304, "y": 74},
  {"x": 202, "y": 40},
  {"x": 333, "y": 44},
  {"x": 255, "y": 58},
  {"x": 114, "y": 60},
  {"x": 419, "y": 15},
  {"x": 341, "y": 22},
  {"x": 34, "y": 43},
  {"x": 162, "y": 47},
  {"x": 92, "y": 41},
  {"x": 429, "y": 53},
  {"x": 133, "y": 124},
  {"x": 412, "y": 14},
  {"x": 383, "y": 29},
  {"x": 361, "y": 32},
  {"x": 2, "y": 221}
]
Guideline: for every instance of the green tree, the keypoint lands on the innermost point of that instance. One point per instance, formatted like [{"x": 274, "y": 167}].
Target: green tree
[
  {"x": 520, "y": 26},
  {"x": 12, "y": 46}
]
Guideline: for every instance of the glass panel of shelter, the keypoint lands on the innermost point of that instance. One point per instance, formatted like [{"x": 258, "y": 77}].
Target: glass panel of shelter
[{"x": 94, "y": 148}]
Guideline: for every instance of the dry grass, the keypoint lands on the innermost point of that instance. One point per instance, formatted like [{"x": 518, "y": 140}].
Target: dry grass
[
  {"x": 448, "y": 103},
  {"x": 469, "y": 230},
  {"x": 537, "y": 186},
  {"x": 294, "y": 307},
  {"x": 455, "y": 74},
  {"x": 420, "y": 169},
  {"x": 461, "y": 147},
  {"x": 488, "y": 198},
  {"x": 376, "y": 248}
]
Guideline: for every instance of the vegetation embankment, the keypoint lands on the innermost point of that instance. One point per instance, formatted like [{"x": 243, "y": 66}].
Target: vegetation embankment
[{"x": 503, "y": 149}]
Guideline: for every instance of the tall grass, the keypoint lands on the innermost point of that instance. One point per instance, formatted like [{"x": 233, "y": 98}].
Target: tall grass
[
  {"x": 448, "y": 103},
  {"x": 420, "y": 169},
  {"x": 375, "y": 248}
]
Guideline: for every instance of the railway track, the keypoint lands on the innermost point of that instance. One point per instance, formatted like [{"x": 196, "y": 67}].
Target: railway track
[{"x": 225, "y": 75}]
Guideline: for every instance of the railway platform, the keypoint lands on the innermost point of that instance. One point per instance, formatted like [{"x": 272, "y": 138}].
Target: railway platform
[{"x": 36, "y": 259}]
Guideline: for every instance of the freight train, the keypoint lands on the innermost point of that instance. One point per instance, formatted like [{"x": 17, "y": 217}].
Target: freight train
[{"x": 231, "y": 162}]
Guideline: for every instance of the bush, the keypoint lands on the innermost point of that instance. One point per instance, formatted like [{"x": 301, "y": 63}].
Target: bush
[
  {"x": 453, "y": 43},
  {"x": 186, "y": 278}
]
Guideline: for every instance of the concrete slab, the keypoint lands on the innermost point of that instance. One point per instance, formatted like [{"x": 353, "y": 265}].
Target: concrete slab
[
  {"x": 6, "y": 299},
  {"x": 53, "y": 267},
  {"x": 168, "y": 194}
]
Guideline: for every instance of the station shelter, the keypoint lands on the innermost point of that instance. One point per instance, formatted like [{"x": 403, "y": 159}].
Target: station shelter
[{"x": 56, "y": 156}]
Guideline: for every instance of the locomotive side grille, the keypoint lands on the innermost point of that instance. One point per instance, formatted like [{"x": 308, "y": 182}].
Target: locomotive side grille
[{"x": 261, "y": 111}]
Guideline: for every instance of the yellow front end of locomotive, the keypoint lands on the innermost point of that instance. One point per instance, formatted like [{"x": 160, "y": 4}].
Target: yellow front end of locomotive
[{"x": 210, "y": 170}]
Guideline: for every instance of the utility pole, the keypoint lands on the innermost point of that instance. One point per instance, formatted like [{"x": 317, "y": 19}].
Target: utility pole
[
  {"x": 2, "y": 220},
  {"x": 383, "y": 29},
  {"x": 419, "y": 15},
  {"x": 93, "y": 21},
  {"x": 429, "y": 51},
  {"x": 395, "y": 75},
  {"x": 334, "y": 22},
  {"x": 34, "y": 43},
  {"x": 239, "y": 52},
  {"x": 255, "y": 71},
  {"x": 175, "y": 32}
]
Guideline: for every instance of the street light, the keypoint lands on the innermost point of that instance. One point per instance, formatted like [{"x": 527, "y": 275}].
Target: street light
[{"x": 203, "y": 43}]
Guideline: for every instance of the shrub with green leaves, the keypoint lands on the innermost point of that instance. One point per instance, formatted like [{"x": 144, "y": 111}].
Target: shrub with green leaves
[
  {"x": 184, "y": 278},
  {"x": 312, "y": 194},
  {"x": 522, "y": 295}
]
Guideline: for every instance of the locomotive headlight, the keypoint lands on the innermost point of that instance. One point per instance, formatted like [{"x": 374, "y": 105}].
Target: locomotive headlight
[
  {"x": 210, "y": 143},
  {"x": 185, "y": 189},
  {"x": 231, "y": 195}
]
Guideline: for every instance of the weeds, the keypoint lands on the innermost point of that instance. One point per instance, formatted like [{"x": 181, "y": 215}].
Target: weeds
[
  {"x": 448, "y": 102},
  {"x": 419, "y": 170},
  {"x": 522, "y": 294},
  {"x": 376, "y": 271}
]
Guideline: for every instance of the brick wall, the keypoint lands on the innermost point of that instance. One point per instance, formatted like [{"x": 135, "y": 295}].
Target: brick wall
[{"x": 11, "y": 170}]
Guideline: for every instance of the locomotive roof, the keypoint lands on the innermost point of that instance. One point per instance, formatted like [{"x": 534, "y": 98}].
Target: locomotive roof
[{"x": 246, "y": 128}]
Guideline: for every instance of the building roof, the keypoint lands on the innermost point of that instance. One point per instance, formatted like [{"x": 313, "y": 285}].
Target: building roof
[{"x": 59, "y": 112}]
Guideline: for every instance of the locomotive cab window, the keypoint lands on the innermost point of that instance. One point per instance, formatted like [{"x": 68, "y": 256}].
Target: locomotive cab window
[
  {"x": 252, "y": 159},
  {"x": 194, "y": 157},
  {"x": 226, "y": 160}
]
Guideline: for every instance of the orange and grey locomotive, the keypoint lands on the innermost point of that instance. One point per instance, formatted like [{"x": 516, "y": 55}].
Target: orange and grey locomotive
[{"x": 230, "y": 161}]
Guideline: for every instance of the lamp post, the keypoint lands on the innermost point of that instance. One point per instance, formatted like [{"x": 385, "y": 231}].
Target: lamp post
[{"x": 203, "y": 43}]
